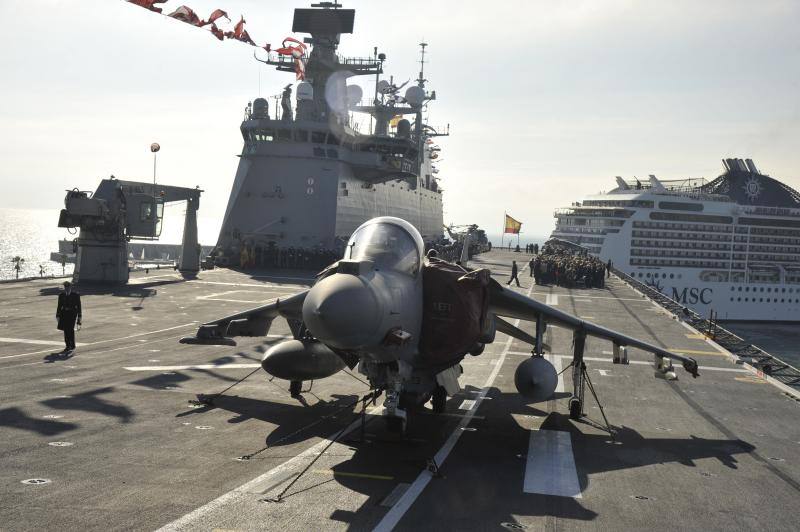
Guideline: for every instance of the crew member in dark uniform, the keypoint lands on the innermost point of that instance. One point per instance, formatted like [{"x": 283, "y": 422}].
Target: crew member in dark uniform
[
  {"x": 67, "y": 313},
  {"x": 514, "y": 272}
]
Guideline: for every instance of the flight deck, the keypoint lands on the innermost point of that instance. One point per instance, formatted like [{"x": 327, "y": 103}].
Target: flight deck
[{"x": 109, "y": 439}]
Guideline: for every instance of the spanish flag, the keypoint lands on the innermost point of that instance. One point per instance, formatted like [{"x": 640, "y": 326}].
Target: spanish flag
[{"x": 512, "y": 225}]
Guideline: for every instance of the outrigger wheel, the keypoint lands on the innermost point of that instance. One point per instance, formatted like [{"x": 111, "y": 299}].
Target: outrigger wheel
[
  {"x": 439, "y": 399},
  {"x": 575, "y": 410}
]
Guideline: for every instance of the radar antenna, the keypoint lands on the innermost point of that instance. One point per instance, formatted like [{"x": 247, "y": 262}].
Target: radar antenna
[
  {"x": 421, "y": 80},
  {"x": 328, "y": 5}
]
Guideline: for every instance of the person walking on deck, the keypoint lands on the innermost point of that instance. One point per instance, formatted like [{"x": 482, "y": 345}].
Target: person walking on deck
[{"x": 68, "y": 313}]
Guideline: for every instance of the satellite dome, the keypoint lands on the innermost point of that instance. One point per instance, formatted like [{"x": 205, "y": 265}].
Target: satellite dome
[
  {"x": 354, "y": 94},
  {"x": 305, "y": 91},
  {"x": 415, "y": 96},
  {"x": 383, "y": 86},
  {"x": 260, "y": 108}
]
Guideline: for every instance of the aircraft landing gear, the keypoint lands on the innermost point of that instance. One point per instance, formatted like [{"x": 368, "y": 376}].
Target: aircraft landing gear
[
  {"x": 295, "y": 388},
  {"x": 575, "y": 409},
  {"x": 580, "y": 379},
  {"x": 439, "y": 400}
]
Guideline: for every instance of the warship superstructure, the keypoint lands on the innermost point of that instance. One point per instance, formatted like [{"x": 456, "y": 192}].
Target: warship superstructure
[
  {"x": 731, "y": 245},
  {"x": 307, "y": 177}
]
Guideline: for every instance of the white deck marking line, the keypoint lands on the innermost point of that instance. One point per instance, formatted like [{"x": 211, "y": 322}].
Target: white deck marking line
[
  {"x": 552, "y": 299},
  {"x": 400, "y": 508},
  {"x": 634, "y": 362},
  {"x": 267, "y": 291},
  {"x": 196, "y": 366},
  {"x": 272, "y": 477},
  {"x": 106, "y": 341},
  {"x": 32, "y": 342},
  {"x": 550, "y": 467},
  {"x": 555, "y": 360}
]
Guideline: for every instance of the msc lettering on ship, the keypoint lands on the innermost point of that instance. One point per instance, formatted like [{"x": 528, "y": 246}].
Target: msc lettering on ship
[{"x": 691, "y": 296}]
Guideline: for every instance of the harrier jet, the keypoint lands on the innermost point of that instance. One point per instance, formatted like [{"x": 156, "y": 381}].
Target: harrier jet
[{"x": 407, "y": 321}]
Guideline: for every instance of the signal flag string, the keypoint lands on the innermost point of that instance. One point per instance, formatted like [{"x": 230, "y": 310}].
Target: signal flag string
[{"x": 186, "y": 14}]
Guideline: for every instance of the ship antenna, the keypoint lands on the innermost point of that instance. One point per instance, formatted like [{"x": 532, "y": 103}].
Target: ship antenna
[
  {"x": 327, "y": 5},
  {"x": 421, "y": 80}
]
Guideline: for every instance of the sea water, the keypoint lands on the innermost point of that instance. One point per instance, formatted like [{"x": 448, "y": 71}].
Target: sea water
[{"x": 31, "y": 234}]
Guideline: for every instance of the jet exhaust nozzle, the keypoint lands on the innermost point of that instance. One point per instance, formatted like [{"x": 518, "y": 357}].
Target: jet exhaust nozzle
[
  {"x": 295, "y": 360},
  {"x": 536, "y": 379}
]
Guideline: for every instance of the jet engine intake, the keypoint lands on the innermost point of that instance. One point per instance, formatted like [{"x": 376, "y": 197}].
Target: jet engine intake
[
  {"x": 536, "y": 379},
  {"x": 296, "y": 360}
]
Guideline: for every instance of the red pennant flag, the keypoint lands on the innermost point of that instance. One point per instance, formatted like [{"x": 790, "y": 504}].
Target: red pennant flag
[
  {"x": 299, "y": 69},
  {"x": 148, "y": 4},
  {"x": 216, "y": 15},
  {"x": 185, "y": 14},
  {"x": 238, "y": 29},
  {"x": 216, "y": 32},
  {"x": 245, "y": 37}
]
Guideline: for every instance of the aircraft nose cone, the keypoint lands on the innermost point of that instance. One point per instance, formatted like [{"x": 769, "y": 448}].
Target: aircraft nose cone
[{"x": 342, "y": 311}]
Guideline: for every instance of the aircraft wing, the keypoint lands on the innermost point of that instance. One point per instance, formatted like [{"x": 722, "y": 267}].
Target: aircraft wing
[
  {"x": 253, "y": 322},
  {"x": 505, "y": 302}
]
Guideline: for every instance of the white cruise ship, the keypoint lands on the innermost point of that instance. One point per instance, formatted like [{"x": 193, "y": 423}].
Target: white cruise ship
[{"x": 731, "y": 245}]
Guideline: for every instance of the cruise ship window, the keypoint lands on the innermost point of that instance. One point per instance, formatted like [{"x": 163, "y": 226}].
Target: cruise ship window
[
  {"x": 781, "y": 300},
  {"x": 738, "y": 299},
  {"x": 284, "y": 134},
  {"x": 783, "y": 290},
  {"x": 740, "y": 289},
  {"x": 747, "y": 289},
  {"x": 761, "y": 300}
]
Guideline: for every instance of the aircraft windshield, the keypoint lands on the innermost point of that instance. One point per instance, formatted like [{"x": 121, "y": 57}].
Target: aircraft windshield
[{"x": 390, "y": 247}]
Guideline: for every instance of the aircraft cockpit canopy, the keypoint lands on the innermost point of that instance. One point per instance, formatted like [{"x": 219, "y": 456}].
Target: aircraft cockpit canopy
[{"x": 388, "y": 245}]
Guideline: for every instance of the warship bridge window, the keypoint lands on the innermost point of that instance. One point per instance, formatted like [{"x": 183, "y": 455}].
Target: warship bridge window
[
  {"x": 333, "y": 154},
  {"x": 389, "y": 246},
  {"x": 319, "y": 152},
  {"x": 318, "y": 137},
  {"x": 284, "y": 135},
  {"x": 300, "y": 135},
  {"x": 333, "y": 140}
]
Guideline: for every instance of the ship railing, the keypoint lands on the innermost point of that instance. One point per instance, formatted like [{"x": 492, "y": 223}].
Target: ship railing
[{"x": 744, "y": 351}]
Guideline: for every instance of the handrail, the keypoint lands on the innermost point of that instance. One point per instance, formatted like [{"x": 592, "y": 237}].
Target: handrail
[{"x": 739, "y": 347}]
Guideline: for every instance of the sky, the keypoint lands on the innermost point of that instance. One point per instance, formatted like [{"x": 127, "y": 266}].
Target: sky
[{"x": 547, "y": 101}]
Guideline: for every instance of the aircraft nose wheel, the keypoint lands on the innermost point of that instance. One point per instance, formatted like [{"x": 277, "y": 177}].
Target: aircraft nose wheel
[
  {"x": 575, "y": 409},
  {"x": 439, "y": 399}
]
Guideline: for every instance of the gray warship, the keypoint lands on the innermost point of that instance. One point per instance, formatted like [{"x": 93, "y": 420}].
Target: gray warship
[{"x": 307, "y": 178}]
